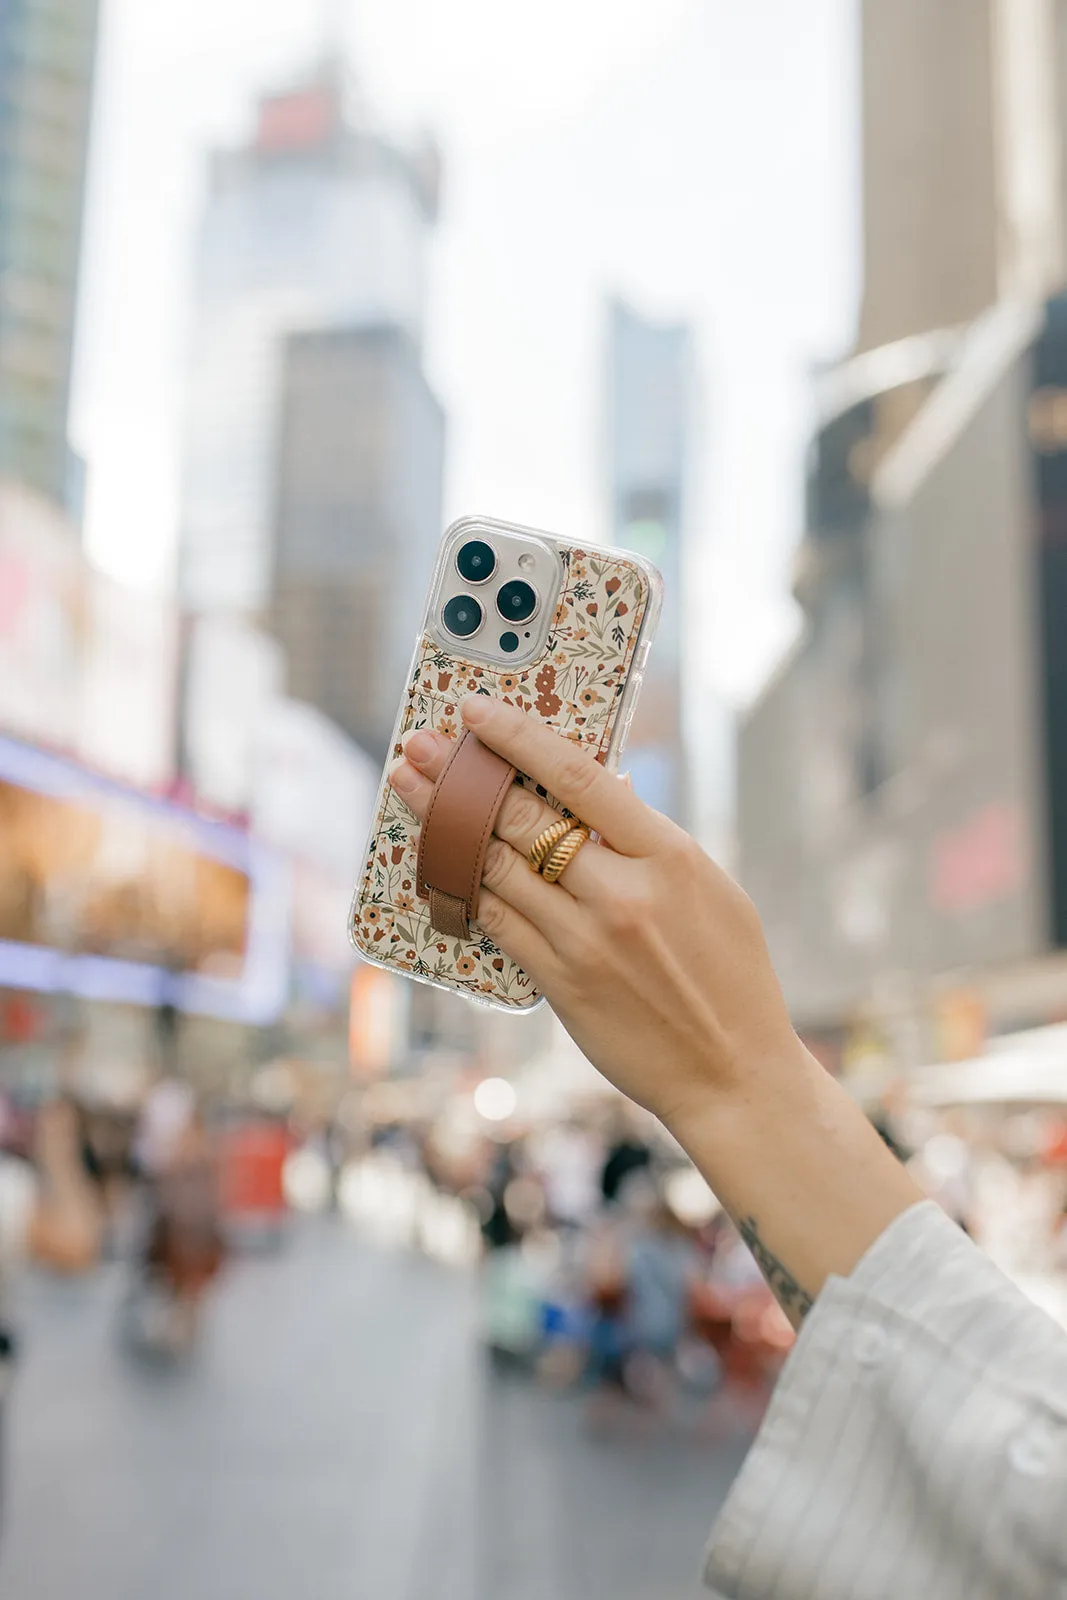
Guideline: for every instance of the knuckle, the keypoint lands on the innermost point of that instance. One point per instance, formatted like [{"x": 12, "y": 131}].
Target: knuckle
[
  {"x": 497, "y": 864},
  {"x": 627, "y": 911},
  {"x": 490, "y": 914},
  {"x": 525, "y": 813},
  {"x": 578, "y": 773},
  {"x": 682, "y": 851}
]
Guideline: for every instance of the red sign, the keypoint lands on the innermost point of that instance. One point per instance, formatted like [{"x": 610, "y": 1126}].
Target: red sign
[{"x": 982, "y": 861}]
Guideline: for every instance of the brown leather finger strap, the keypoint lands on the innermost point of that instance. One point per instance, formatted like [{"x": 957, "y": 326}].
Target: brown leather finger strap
[{"x": 455, "y": 833}]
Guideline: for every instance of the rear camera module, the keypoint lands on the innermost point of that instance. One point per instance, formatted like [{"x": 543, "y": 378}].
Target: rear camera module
[
  {"x": 509, "y": 641},
  {"x": 517, "y": 600},
  {"x": 476, "y": 561},
  {"x": 462, "y": 616}
]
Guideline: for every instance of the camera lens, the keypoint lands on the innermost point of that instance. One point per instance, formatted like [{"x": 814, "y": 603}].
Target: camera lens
[
  {"x": 462, "y": 616},
  {"x": 517, "y": 600},
  {"x": 476, "y": 561}
]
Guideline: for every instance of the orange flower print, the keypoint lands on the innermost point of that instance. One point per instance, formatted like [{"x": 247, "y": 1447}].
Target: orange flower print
[
  {"x": 398, "y": 750},
  {"x": 580, "y": 634},
  {"x": 404, "y": 902},
  {"x": 466, "y": 965},
  {"x": 447, "y": 726},
  {"x": 612, "y": 585},
  {"x": 397, "y": 854},
  {"x": 406, "y": 883},
  {"x": 588, "y": 697},
  {"x": 547, "y": 702},
  {"x": 591, "y": 609},
  {"x": 441, "y": 947},
  {"x": 472, "y": 684},
  {"x": 485, "y": 987},
  {"x": 412, "y": 955},
  {"x": 508, "y": 682},
  {"x": 621, "y": 609},
  {"x": 372, "y": 915},
  {"x": 560, "y": 658},
  {"x": 443, "y": 681},
  {"x": 561, "y": 615}
]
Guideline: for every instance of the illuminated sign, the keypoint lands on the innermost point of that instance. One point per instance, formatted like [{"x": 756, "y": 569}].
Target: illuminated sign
[{"x": 115, "y": 896}]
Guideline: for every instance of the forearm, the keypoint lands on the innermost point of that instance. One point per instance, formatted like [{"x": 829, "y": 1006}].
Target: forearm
[{"x": 795, "y": 1162}]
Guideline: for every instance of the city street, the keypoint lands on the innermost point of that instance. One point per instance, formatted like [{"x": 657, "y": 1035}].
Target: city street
[{"x": 338, "y": 1437}]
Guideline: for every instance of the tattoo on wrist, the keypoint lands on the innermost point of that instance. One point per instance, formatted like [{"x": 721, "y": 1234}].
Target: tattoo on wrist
[{"x": 786, "y": 1289}]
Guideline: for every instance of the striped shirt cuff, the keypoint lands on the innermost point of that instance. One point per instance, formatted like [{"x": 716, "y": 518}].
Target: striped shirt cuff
[{"x": 916, "y": 1443}]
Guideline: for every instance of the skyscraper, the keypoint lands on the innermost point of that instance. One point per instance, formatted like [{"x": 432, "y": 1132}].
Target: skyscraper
[
  {"x": 357, "y": 519},
  {"x": 47, "y": 51},
  {"x": 649, "y": 401},
  {"x": 964, "y": 112},
  {"x": 317, "y": 222}
]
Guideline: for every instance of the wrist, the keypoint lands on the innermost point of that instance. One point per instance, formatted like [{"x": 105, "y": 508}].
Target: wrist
[
  {"x": 718, "y": 1106},
  {"x": 797, "y": 1165}
]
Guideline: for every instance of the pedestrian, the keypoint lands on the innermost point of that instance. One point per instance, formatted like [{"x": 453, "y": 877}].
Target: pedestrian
[
  {"x": 627, "y": 1152},
  {"x": 186, "y": 1246},
  {"x": 916, "y": 1444}
]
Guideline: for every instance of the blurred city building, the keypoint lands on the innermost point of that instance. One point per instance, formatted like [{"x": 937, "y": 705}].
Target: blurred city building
[
  {"x": 357, "y": 520},
  {"x": 650, "y": 383},
  {"x": 964, "y": 115},
  {"x": 47, "y": 53},
  {"x": 903, "y": 775},
  {"x": 317, "y": 221}
]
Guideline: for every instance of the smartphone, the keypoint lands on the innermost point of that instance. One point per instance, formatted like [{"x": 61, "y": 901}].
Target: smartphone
[{"x": 560, "y": 630}]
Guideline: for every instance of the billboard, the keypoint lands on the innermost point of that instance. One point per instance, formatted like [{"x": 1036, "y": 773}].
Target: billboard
[{"x": 115, "y": 896}]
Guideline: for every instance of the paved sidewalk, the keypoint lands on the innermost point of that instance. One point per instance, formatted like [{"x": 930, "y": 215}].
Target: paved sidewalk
[{"x": 337, "y": 1438}]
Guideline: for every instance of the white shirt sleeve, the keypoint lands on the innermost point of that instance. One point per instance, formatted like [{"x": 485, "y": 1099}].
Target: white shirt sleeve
[{"x": 916, "y": 1444}]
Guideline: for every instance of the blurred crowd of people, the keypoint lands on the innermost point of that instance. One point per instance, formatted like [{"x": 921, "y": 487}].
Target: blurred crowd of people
[{"x": 607, "y": 1266}]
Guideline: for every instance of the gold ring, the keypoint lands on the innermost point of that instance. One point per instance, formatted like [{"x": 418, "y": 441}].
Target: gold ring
[
  {"x": 564, "y": 853},
  {"x": 543, "y": 845}
]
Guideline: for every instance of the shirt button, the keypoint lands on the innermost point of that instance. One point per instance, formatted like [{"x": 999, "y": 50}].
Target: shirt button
[
  {"x": 870, "y": 1344},
  {"x": 1033, "y": 1452}
]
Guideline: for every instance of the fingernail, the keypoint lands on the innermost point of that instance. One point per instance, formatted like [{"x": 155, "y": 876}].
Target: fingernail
[
  {"x": 420, "y": 748},
  {"x": 404, "y": 778},
  {"x": 475, "y": 708}
]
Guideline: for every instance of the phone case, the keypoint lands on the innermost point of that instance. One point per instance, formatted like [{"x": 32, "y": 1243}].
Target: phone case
[{"x": 584, "y": 684}]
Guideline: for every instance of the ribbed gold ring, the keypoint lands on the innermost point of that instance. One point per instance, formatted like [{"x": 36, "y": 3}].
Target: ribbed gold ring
[
  {"x": 564, "y": 853},
  {"x": 542, "y": 846}
]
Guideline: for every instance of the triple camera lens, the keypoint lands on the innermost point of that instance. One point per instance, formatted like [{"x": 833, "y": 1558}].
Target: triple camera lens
[{"x": 463, "y": 615}]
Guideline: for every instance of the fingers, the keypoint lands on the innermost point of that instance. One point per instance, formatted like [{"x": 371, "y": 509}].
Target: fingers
[
  {"x": 570, "y": 773},
  {"x": 522, "y": 817},
  {"x": 518, "y": 938},
  {"x": 505, "y": 872}
]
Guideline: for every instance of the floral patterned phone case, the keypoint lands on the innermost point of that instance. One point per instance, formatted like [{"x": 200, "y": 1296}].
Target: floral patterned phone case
[{"x": 582, "y": 679}]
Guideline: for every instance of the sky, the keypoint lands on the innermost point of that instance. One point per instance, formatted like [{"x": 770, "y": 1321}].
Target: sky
[{"x": 698, "y": 157}]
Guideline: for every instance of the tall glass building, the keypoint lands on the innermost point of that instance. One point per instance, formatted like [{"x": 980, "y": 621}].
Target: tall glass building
[
  {"x": 47, "y": 52},
  {"x": 650, "y": 395},
  {"x": 316, "y": 222}
]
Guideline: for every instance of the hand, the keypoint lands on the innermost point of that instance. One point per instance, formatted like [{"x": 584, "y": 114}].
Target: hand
[
  {"x": 655, "y": 962},
  {"x": 651, "y": 956}
]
